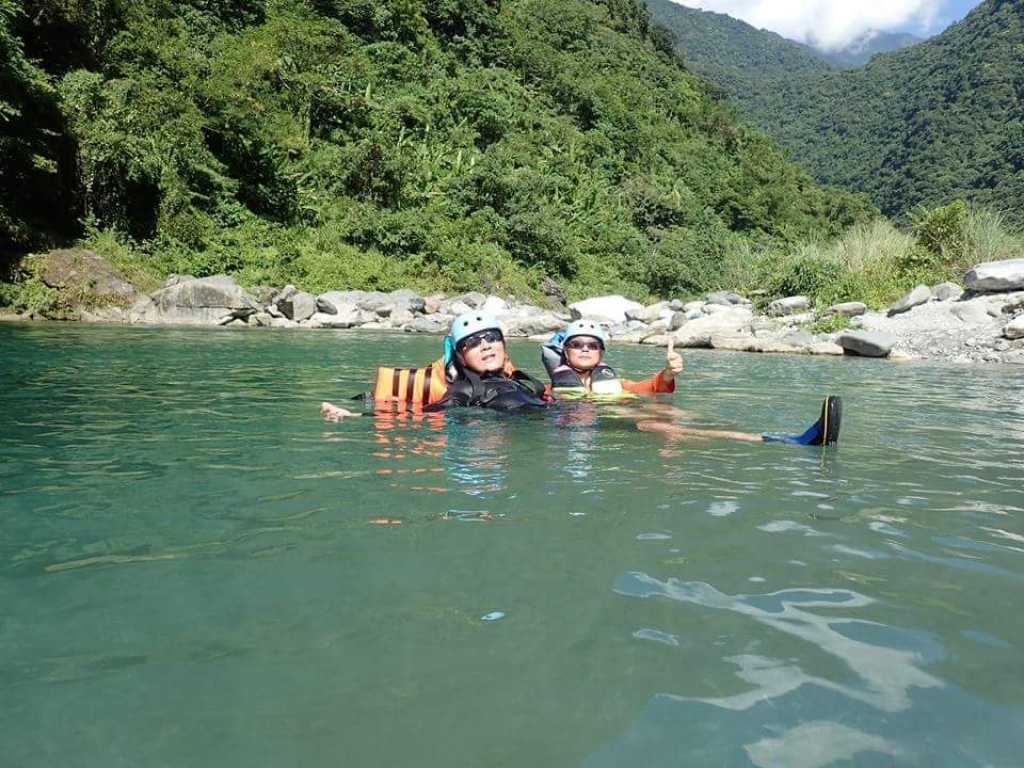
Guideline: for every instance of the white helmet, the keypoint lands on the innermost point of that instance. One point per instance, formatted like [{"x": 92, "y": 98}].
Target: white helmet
[
  {"x": 586, "y": 328},
  {"x": 469, "y": 323}
]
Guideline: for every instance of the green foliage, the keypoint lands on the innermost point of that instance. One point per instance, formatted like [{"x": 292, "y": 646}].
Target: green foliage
[
  {"x": 24, "y": 292},
  {"x": 942, "y": 231},
  {"x": 446, "y": 144},
  {"x": 921, "y": 126},
  {"x": 832, "y": 324},
  {"x": 876, "y": 263}
]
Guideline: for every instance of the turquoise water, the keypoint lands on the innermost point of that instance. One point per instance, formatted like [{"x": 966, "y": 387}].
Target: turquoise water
[{"x": 193, "y": 570}]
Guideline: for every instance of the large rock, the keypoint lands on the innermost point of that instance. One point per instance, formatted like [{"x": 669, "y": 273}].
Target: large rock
[
  {"x": 847, "y": 308},
  {"x": 650, "y": 314},
  {"x": 947, "y": 292},
  {"x": 922, "y": 294},
  {"x": 494, "y": 305},
  {"x": 825, "y": 348},
  {"x": 554, "y": 292},
  {"x": 727, "y": 298},
  {"x": 1005, "y": 275},
  {"x": 340, "y": 298},
  {"x": 605, "y": 309},
  {"x": 347, "y": 317},
  {"x": 298, "y": 306},
  {"x": 206, "y": 300},
  {"x": 473, "y": 299},
  {"x": 429, "y": 324},
  {"x": 973, "y": 312},
  {"x": 788, "y": 306},
  {"x": 1014, "y": 329},
  {"x": 84, "y": 273},
  {"x": 534, "y": 325},
  {"x": 698, "y": 333},
  {"x": 867, "y": 343}
]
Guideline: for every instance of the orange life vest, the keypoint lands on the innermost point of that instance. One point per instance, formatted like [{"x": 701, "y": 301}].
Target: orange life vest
[{"x": 411, "y": 387}]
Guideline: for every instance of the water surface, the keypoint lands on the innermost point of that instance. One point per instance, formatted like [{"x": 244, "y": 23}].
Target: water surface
[{"x": 196, "y": 570}]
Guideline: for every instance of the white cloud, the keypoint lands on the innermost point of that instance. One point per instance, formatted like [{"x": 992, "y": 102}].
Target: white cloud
[{"x": 827, "y": 24}]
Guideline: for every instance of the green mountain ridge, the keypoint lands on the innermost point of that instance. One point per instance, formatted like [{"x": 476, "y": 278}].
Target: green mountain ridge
[
  {"x": 867, "y": 46},
  {"x": 917, "y": 127},
  {"x": 337, "y": 143}
]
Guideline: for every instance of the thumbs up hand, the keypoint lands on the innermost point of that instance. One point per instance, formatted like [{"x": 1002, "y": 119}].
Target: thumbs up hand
[{"x": 673, "y": 362}]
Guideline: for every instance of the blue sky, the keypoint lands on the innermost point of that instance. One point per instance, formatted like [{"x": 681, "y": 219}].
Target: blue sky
[
  {"x": 833, "y": 24},
  {"x": 948, "y": 12}
]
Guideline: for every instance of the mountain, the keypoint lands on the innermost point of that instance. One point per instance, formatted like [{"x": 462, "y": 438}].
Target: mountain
[
  {"x": 920, "y": 126},
  {"x": 861, "y": 50},
  {"x": 435, "y": 143},
  {"x": 732, "y": 52}
]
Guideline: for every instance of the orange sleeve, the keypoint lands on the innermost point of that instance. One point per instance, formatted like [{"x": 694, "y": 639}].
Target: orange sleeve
[{"x": 656, "y": 383}]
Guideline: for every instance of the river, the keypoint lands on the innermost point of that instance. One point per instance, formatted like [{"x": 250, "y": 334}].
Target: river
[{"x": 197, "y": 570}]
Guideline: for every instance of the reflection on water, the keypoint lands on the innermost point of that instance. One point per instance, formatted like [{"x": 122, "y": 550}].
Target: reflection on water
[
  {"x": 195, "y": 569},
  {"x": 815, "y": 720},
  {"x": 886, "y": 673}
]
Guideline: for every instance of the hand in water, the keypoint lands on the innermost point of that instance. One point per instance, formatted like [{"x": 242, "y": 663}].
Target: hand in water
[
  {"x": 332, "y": 412},
  {"x": 673, "y": 361}
]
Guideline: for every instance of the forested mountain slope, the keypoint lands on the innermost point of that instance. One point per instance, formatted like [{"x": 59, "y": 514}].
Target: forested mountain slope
[
  {"x": 920, "y": 126},
  {"x": 732, "y": 53},
  {"x": 860, "y": 51},
  {"x": 373, "y": 144}
]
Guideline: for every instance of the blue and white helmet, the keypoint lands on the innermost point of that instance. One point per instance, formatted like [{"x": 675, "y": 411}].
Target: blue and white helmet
[
  {"x": 469, "y": 323},
  {"x": 584, "y": 327}
]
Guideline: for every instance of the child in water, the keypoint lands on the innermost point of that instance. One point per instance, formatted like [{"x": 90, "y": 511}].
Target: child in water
[{"x": 575, "y": 362}]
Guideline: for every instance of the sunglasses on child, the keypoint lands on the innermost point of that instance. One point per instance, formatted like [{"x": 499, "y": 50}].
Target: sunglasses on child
[
  {"x": 474, "y": 341},
  {"x": 579, "y": 345}
]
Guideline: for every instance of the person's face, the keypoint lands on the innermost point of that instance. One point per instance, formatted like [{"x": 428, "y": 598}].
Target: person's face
[
  {"x": 483, "y": 352},
  {"x": 583, "y": 352}
]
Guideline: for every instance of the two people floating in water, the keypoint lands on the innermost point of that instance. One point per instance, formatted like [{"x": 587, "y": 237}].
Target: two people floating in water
[{"x": 476, "y": 371}]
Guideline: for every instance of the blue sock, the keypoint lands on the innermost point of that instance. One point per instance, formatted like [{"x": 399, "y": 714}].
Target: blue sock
[{"x": 808, "y": 437}]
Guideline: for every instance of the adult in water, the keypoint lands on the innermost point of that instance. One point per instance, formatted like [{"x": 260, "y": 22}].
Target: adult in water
[
  {"x": 575, "y": 361},
  {"x": 477, "y": 371}
]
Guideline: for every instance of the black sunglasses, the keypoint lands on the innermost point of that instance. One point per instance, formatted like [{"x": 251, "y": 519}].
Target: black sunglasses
[
  {"x": 476, "y": 339},
  {"x": 580, "y": 345}
]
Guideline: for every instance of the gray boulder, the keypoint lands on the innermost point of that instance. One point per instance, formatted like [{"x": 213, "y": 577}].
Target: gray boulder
[
  {"x": 1007, "y": 275},
  {"x": 649, "y": 314},
  {"x": 203, "y": 301},
  {"x": 698, "y": 333},
  {"x": 788, "y": 306},
  {"x": 534, "y": 325},
  {"x": 338, "y": 298},
  {"x": 972, "y": 312},
  {"x": 298, "y": 306},
  {"x": 494, "y": 305},
  {"x": 473, "y": 299},
  {"x": 848, "y": 308},
  {"x": 728, "y": 298},
  {"x": 605, "y": 309},
  {"x": 1015, "y": 328},
  {"x": 867, "y": 343},
  {"x": 325, "y": 307},
  {"x": 798, "y": 339},
  {"x": 84, "y": 273},
  {"x": 400, "y": 317},
  {"x": 428, "y": 324},
  {"x": 922, "y": 294},
  {"x": 947, "y": 292}
]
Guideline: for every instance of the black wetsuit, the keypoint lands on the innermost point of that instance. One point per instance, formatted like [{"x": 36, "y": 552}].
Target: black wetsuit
[{"x": 498, "y": 390}]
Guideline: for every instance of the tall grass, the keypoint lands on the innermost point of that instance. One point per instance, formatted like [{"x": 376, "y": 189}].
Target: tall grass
[{"x": 876, "y": 262}]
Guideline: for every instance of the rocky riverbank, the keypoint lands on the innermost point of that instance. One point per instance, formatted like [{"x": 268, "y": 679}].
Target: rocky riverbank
[{"x": 981, "y": 321}]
